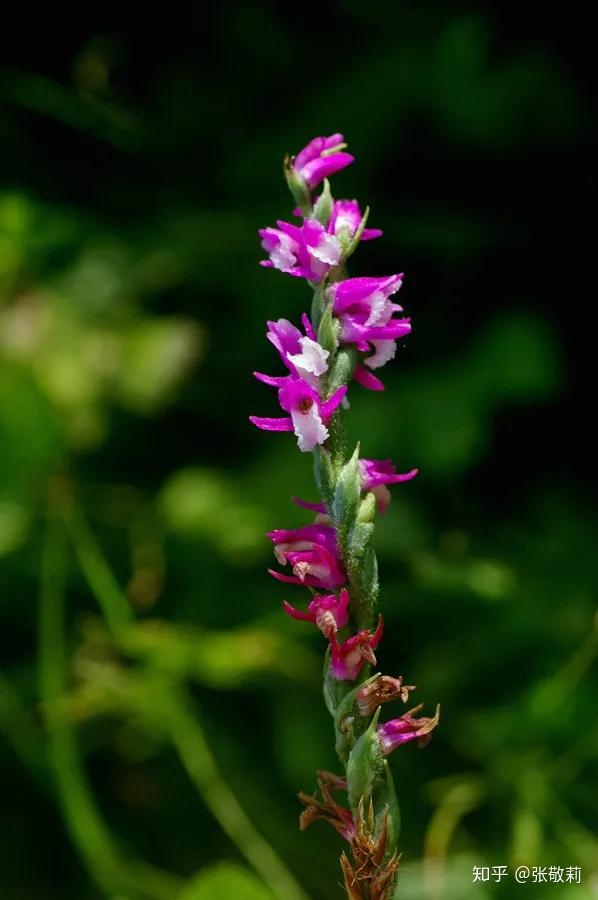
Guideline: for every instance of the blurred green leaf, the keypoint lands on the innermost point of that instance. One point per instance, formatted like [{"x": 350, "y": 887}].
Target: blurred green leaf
[
  {"x": 200, "y": 503},
  {"x": 226, "y": 881},
  {"x": 156, "y": 355}
]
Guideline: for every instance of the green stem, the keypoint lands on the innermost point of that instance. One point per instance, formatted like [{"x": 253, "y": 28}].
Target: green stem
[
  {"x": 100, "y": 579},
  {"x": 184, "y": 730},
  {"x": 89, "y": 832},
  {"x": 191, "y": 745},
  {"x": 17, "y": 726}
]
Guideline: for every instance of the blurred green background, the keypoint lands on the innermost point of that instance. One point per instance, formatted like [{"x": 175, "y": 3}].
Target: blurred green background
[{"x": 158, "y": 711}]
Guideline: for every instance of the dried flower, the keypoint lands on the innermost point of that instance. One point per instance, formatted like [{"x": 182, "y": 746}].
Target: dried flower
[
  {"x": 384, "y": 689},
  {"x": 327, "y": 808},
  {"x": 372, "y": 874}
]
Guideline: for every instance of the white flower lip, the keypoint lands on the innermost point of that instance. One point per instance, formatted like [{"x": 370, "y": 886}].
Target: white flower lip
[{"x": 309, "y": 428}]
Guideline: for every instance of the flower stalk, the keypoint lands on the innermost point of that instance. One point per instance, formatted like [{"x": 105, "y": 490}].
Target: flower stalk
[{"x": 354, "y": 329}]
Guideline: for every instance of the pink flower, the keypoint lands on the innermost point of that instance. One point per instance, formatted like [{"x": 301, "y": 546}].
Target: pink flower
[
  {"x": 327, "y": 611},
  {"x": 313, "y": 553},
  {"x": 306, "y": 251},
  {"x": 321, "y": 158},
  {"x": 400, "y": 731},
  {"x": 376, "y": 474},
  {"x": 345, "y": 220},
  {"x": 301, "y": 354},
  {"x": 365, "y": 311},
  {"x": 308, "y": 413},
  {"x": 348, "y": 658}
]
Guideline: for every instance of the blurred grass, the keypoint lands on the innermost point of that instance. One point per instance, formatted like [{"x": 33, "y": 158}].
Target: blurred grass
[{"x": 131, "y": 315}]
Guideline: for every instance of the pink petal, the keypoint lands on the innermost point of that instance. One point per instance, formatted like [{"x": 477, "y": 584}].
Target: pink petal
[
  {"x": 328, "y": 406},
  {"x": 284, "y": 424},
  {"x": 367, "y": 379}
]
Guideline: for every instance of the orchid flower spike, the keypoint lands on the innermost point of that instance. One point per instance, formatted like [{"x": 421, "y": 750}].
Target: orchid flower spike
[{"x": 353, "y": 330}]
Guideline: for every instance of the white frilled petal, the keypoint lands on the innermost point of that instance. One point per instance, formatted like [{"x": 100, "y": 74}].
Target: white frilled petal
[
  {"x": 283, "y": 254},
  {"x": 309, "y": 428},
  {"x": 327, "y": 250},
  {"x": 380, "y": 309},
  {"x": 312, "y": 358},
  {"x": 384, "y": 351}
]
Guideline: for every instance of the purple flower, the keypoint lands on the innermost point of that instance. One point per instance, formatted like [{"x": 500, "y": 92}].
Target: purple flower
[
  {"x": 313, "y": 553},
  {"x": 345, "y": 220},
  {"x": 347, "y": 659},
  {"x": 322, "y": 157},
  {"x": 308, "y": 413},
  {"x": 365, "y": 311},
  {"x": 301, "y": 354},
  {"x": 327, "y": 611},
  {"x": 376, "y": 474},
  {"x": 306, "y": 251},
  {"x": 400, "y": 731}
]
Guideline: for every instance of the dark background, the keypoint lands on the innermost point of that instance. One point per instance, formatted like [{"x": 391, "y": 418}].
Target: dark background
[{"x": 136, "y": 169}]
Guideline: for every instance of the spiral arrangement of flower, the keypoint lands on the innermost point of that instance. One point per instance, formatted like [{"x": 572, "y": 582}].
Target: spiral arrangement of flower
[{"x": 351, "y": 332}]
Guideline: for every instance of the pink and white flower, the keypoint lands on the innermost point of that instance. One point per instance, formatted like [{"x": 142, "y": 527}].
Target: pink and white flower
[
  {"x": 345, "y": 219},
  {"x": 308, "y": 413},
  {"x": 328, "y": 611},
  {"x": 322, "y": 157},
  {"x": 305, "y": 251},
  {"x": 301, "y": 354},
  {"x": 366, "y": 313}
]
